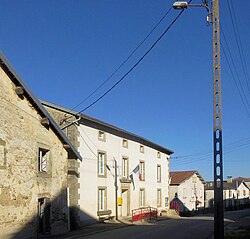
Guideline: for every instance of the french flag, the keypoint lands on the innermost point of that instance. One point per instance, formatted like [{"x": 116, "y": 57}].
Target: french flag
[{"x": 137, "y": 171}]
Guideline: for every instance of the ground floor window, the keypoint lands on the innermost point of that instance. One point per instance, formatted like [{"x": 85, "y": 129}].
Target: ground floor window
[
  {"x": 44, "y": 215},
  {"x": 158, "y": 197},
  {"x": 102, "y": 198},
  {"x": 142, "y": 197}
]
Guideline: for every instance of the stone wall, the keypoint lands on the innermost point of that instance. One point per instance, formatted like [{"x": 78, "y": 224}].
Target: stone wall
[
  {"x": 21, "y": 184},
  {"x": 72, "y": 133}
]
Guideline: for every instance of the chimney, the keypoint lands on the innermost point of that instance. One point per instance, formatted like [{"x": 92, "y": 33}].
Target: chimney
[{"x": 229, "y": 179}]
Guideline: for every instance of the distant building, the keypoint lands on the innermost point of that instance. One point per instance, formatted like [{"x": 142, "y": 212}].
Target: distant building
[
  {"x": 34, "y": 156},
  {"x": 235, "y": 193},
  {"x": 186, "y": 190},
  {"x": 142, "y": 167}
]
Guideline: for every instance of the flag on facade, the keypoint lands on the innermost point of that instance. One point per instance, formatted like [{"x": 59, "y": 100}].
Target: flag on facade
[
  {"x": 137, "y": 171},
  {"x": 132, "y": 180}
]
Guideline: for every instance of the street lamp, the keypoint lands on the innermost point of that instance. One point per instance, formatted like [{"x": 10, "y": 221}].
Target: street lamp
[{"x": 217, "y": 115}]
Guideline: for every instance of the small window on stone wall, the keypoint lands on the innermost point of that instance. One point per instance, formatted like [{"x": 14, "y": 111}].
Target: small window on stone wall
[{"x": 43, "y": 160}]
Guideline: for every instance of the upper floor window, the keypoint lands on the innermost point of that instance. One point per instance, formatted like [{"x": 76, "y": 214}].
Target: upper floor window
[
  {"x": 158, "y": 155},
  {"x": 125, "y": 167},
  {"x": 142, "y": 171},
  {"x": 125, "y": 143},
  {"x": 141, "y": 148},
  {"x": 101, "y": 136},
  {"x": 194, "y": 179},
  {"x": 102, "y": 164},
  {"x": 201, "y": 194},
  {"x": 184, "y": 193},
  {"x": 158, "y": 173},
  {"x": 43, "y": 159},
  {"x": 244, "y": 192}
]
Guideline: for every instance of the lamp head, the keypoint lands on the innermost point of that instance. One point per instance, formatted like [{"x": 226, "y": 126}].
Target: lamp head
[{"x": 180, "y": 5}]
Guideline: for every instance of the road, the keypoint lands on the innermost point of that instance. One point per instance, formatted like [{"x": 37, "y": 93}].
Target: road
[{"x": 198, "y": 227}]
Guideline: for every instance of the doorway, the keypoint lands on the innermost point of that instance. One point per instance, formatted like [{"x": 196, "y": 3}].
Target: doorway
[
  {"x": 44, "y": 207},
  {"x": 125, "y": 202}
]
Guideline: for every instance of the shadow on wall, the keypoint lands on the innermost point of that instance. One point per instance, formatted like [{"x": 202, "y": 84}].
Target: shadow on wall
[
  {"x": 51, "y": 218},
  {"x": 179, "y": 206}
]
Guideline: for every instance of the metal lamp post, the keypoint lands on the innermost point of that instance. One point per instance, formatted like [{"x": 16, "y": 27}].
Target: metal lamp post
[{"x": 217, "y": 115}]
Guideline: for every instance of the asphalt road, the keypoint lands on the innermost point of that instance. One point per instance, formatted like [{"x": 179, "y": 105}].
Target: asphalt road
[{"x": 193, "y": 227}]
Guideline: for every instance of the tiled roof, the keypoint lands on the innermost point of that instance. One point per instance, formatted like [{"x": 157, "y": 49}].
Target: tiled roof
[
  {"x": 242, "y": 179},
  {"x": 181, "y": 176}
]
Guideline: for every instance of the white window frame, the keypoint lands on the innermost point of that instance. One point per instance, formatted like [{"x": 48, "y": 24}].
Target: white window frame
[
  {"x": 159, "y": 197},
  {"x": 125, "y": 167},
  {"x": 158, "y": 173},
  {"x": 142, "y": 197},
  {"x": 102, "y": 198},
  {"x": 43, "y": 160},
  {"x": 101, "y": 164}
]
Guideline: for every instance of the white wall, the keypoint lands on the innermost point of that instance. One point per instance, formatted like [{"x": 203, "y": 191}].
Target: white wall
[{"x": 89, "y": 181}]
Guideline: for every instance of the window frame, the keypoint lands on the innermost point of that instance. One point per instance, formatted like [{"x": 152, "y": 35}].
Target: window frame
[
  {"x": 103, "y": 137},
  {"x": 142, "y": 170},
  {"x": 142, "y": 197},
  {"x": 100, "y": 174},
  {"x": 125, "y": 167},
  {"x": 43, "y": 159},
  {"x": 159, "y": 197},
  {"x": 125, "y": 143},
  {"x": 102, "y": 205},
  {"x": 158, "y": 173}
]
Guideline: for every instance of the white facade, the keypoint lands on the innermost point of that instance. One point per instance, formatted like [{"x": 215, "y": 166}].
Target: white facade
[
  {"x": 189, "y": 192},
  {"x": 235, "y": 193},
  {"x": 97, "y": 190}
]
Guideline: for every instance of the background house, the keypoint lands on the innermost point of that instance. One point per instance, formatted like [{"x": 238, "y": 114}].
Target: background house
[
  {"x": 142, "y": 166},
  {"x": 186, "y": 190},
  {"x": 235, "y": 193},
  {"x": 34, "y": 155}
]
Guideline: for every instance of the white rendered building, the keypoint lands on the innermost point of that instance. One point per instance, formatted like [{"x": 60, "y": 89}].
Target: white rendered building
[{"x": 142, "y": 167}]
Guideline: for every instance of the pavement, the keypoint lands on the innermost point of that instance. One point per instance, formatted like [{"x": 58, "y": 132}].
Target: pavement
[{"x": 239, "y": 229}]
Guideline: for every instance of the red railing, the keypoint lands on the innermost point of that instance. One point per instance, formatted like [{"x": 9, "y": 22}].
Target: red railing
[{"x": 144, "y": 213}]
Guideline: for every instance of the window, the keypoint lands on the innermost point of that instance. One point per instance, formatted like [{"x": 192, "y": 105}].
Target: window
[
  {"x": 194, "y": 179},
  {"x": 244, "y": 192},
  {"x": 102, "y": 164},
  {"x": 125, "y": 143},
  {"x": 158, "y": 197},
  {"x": 230, "y": 193},
  {"x": 158, "y": 173},
  {"x": 142, "y": 171},
  {"x": 102, "y": 198},
  {"x": 125, "y": 167},
  {"x": 184, "y": 193},
  {"x": 43, "y": 158},
  {"x": 201, "y": 193},
  {"x": 192, "y": 193},
  {"x": 158, "y": 155},
  {"x": 142, "y": 197},
  {"x": 141, "y": 148},
  {"x": 102, "y": 136}
]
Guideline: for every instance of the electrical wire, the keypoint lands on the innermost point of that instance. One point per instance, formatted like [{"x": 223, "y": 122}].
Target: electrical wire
[
  {"x": 238, "y": 42},
  {"x": 135, "y": 65},
  {"x": 126, "y": 60}
]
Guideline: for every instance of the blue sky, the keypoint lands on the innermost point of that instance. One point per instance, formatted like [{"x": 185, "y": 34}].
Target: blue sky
[{"x": 65, "y": 49}]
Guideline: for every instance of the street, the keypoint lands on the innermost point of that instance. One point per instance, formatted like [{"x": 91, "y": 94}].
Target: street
[{"x": 198, "y": 227}]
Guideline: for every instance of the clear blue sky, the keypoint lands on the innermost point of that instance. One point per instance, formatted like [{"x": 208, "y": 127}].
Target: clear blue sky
[{"x": 64, "y": 50}]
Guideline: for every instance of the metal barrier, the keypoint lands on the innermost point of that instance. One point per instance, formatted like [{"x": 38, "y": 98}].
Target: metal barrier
[{"x": 144, "y": 213}]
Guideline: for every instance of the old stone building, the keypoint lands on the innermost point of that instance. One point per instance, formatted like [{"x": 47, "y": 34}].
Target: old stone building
[{"x": 34, "y": 155}]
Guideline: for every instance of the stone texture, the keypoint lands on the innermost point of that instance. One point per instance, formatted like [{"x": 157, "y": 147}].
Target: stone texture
[{"x": 21, "y": 185}]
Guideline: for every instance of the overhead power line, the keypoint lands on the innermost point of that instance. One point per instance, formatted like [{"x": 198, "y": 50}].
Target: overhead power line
[
  {"x": 238, "y": 42},
  {"x": 126, "y": 60},
  {"x": 135, "y": 65}
]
